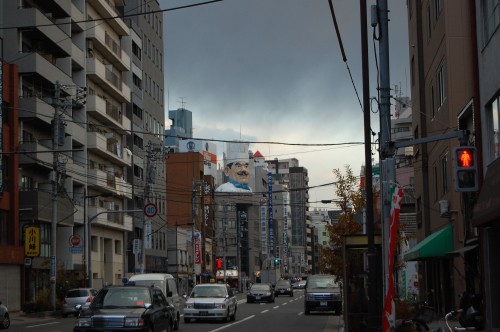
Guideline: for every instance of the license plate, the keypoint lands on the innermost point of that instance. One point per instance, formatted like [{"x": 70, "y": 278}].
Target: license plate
[
  {"x": 282, "y": 291},
  {"x": 257, "y": 297},
  {"x": 203, "y": 313},
  {"x": 323, "y": 304}
]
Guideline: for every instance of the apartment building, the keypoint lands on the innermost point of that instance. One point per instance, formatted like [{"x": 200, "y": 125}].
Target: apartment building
[
  {"x": 444, "y": 89},
  {"x": 147, "y": 113}
]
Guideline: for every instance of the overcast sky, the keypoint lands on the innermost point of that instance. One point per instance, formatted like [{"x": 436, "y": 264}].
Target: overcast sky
[{"x": 272, "y": 71}]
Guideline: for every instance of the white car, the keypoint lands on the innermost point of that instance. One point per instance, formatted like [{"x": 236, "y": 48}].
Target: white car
[{"x": 211, "y": 301}]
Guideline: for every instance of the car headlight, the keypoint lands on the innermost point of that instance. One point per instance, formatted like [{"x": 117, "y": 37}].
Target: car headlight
[
  {"x": 133, "y": 322},
  {"x": 220, "y": 305},
  {"x": 268, "y": 294},
  {"x": 188, "y": 305},
  {"x": 83, "y": 322}
]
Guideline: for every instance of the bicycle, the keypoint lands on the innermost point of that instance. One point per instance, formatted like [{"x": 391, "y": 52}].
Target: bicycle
[{"x": 456, "y": 328}]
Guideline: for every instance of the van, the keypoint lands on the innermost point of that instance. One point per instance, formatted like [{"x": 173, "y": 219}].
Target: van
[
  {"x": 166, "y": 282},
  {"x": 322, "y": 293}
]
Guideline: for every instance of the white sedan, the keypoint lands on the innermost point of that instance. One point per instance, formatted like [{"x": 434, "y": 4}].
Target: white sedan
[{"x": 211, "y": 301}]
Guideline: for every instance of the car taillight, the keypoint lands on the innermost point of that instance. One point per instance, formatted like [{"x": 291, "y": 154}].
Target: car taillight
[{"x": 89, "y": 299}]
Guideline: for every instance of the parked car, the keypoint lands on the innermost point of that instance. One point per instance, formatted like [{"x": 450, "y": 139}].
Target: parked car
[
  {"x": 4, "y": 316},
  {"x": 322, "y": 293},
  {"x": 283, "y": 287},
  {"x": 211, "y": 301},
  {"x": 73, "y": 297},
  {"x": 166, "y": 282},
  {"x": 126, "y": 308},
  {"x": 260, "y": 292}
]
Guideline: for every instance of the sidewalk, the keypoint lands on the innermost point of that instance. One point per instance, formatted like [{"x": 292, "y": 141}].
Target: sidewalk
[{"x": 18, "y": 317}]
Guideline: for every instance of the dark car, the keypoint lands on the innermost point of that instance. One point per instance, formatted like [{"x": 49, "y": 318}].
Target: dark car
[
  {"x": 283, "y": 287},
  {"x": 322, "y": 293},
  {"x": 260, "y": 293},
  {"x": 4, "y": 316},
  {"x": 126, "y": 308}
]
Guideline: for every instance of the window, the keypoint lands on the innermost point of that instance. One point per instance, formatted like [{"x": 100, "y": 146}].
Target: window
[
  {"x": 436, "y": 179},
  {"x": 491, "y": 18},
  {"x": 138, "y": 172},
  {"x": 444, "y": 171},
  {"x": 493, "y": 129},
  {"x": 27, "y": 183},
  {"x": 118, "y": 247},
  {"x": 433, "y": 102},
  {"x": 441, "y": 85},
  {"x": 438, "y": 6},
  {"x": 138, "y": 141},
  {"x": 137, "y": 111},
  {"x": 136, "y": 50},
  {"x": 137, "y": 81}
]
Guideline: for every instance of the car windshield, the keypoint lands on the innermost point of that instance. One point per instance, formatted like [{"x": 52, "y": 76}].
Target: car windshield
[
  {"x": 208, "y": 291},
  {"x": 283, "y": 283},
  {"x": 77, "y": 293},
  {"x": 122, "y": 298},
  {"x": 257, "y": 287},
  {"x": 324, "y": 282}
]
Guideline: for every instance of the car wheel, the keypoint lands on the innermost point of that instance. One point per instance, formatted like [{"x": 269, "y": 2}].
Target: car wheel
[
  {"x": 307, "y": 312},
  {"x": 186, "y": 320},
  {"x": 225, "y": 319},
  {"x": 5, "y": 321},
  {"x": 249, "y": 301},
  {"x": 291, "y": 294}
]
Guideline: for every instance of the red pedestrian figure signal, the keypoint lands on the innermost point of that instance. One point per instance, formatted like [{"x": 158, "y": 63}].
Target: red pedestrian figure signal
[
  {"x": 465, "y": 169},
  {"x": 465, "y": 158}
]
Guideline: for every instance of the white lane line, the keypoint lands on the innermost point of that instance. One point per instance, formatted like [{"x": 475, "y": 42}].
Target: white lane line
[
  {"x": 264, "y": 311},
  {"x": 38, "y": 325},
  {"x": 229, "y": 325},
  {"x": 285, "y": 303},
  {"x": 276, "y": 307},
  {"x": 300, "y": 313}
]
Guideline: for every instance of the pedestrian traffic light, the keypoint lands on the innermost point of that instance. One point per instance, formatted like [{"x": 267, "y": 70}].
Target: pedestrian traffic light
[
  {"x": 465, "y": 169},
  {"x": 219, "y": 263},
  {"x": 276, "y": 260}
]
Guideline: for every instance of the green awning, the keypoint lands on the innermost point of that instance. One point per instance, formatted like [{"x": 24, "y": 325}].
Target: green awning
[{"x": 438, "y": 244}]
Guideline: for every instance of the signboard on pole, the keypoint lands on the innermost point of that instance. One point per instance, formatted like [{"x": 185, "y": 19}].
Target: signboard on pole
[
  {"x": 32, "y": 241},
  {"x": 148, "y": 234}
]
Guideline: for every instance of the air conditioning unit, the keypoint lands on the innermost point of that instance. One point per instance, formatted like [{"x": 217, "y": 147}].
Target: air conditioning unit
[{"x": 444, "y": 209}]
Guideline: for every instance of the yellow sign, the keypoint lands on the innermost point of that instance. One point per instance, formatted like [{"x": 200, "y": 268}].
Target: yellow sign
[{"x": 32, "y": 241}]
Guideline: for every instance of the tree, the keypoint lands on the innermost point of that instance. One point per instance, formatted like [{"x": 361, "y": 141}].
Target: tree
[{"x": 351, "y": 201}]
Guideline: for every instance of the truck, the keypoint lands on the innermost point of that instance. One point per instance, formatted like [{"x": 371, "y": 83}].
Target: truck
[{"x": 271, "y": 276}]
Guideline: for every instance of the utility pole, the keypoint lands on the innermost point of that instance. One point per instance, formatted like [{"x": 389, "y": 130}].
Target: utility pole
[
  {"x": 224, "y": 228},
  {"x": 55, "y": 188}
]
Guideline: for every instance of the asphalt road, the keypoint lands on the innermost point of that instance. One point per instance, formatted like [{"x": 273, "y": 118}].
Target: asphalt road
[{"x": 285, "y": 314}]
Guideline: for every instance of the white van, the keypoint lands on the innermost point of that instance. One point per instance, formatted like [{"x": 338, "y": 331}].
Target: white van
[{"x": 166, "y": 282}]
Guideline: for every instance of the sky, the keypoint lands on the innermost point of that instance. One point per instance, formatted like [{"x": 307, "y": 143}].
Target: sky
[{"x": 271, "y": 72}]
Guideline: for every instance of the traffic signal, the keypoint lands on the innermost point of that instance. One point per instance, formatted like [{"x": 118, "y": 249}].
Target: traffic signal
[
  {"x": 276, "y": 260},
  {"x": 465, "y": 169},
  {"x": 219, "y": 263}
]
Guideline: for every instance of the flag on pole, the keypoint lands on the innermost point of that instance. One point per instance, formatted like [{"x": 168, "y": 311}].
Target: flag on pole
[{"x": 389, "y": 312}]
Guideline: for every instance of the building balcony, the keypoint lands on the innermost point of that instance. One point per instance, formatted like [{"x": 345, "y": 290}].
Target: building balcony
[
  {"x": 78, "y": 17},
  {"x": 108, "y": 181},
  {"x": 110, "y": 115},
  {"x": 77, "y": 57},
  {"x": 36, "y": 108},
  {"x": 107, "y": 45},
  {"x": 114, "y": 220},
  {"x": 77, "y": 170},
  {"x": 36, "y": 153},
  {"x": 40, "y": 64},
  {"x": 103, "y": 75},
  {"x": 44, "y": 24},
  {"x": 106, "y": 9},
  {"x": 108, "y": 147},
  {"x": 40, "y": 204}
]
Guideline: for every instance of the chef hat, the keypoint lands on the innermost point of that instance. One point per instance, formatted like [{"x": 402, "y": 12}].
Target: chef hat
[{"x": 236, "y": 151}]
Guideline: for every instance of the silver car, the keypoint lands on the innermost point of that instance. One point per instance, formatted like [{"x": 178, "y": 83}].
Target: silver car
[
  {"x": 211, "y": 301},
  {"x": 81, "y": 296},
  {"x": 4, "y": 317}
]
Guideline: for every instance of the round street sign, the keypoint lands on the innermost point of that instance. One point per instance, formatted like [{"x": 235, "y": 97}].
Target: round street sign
[
  {"x": 150, "y": 210},
  {"x": 75, "y": 240}
]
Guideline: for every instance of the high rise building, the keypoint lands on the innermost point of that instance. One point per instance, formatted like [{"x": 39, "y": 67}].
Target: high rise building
[{"x": 147, "y": 112}]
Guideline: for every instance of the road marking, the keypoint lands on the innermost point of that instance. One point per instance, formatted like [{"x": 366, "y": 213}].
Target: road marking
[
  {"x": 229, "y": 325},
  {"x": 285, "y": 303},
  {"x": 264, "y": 311},
  {"x": 300, "y": 313},
  {"x": 276, "y": 307},
  {"x": 38, "y": 325}
]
